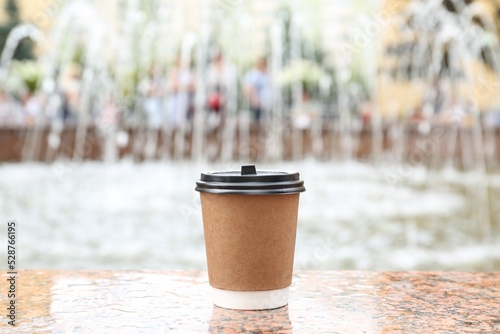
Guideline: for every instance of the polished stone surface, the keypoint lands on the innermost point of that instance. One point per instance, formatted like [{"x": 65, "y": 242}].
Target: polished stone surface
[{"x": 320, "y": 302}]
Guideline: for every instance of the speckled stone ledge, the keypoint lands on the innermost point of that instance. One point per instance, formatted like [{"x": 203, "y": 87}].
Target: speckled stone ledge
[{"x": 320, "y": 302}]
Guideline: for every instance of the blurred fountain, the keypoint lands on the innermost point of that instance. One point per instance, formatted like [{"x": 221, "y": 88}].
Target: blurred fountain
[
  {"x": 113, "y": 56},
  {"x": 448, "y": 41},
  {"x": 104, "y": 60},
  {"x": 110, "y": 61},
  {"x": 15, "y": 37}
]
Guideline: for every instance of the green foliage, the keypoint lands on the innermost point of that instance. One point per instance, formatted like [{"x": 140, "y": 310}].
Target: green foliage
[
  {"x": 78, "y": 56},
  {"x": 307, "y": 66},
  {"x": 29, "y": 72},
  {"x": 302, "y": 71},
  {"x": 25, "y": 48}
]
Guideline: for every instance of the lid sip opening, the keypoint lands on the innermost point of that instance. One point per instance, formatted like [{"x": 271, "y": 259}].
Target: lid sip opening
[
  {"x": 248, "y": 170},
  {"x": 250, "y": 181}
]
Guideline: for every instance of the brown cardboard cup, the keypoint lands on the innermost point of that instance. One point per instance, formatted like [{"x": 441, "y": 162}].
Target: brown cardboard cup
[{"x": 250, "y": 223}]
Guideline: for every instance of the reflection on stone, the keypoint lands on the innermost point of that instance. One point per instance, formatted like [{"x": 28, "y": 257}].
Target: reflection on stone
[{"x": 238, "y": 321}]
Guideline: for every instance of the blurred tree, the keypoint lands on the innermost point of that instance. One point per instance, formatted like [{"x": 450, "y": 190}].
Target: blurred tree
[
  {"x": 25, "y": 47},
  {"x": 497, "y": 18},
  {"x": 306, "y": 53}
]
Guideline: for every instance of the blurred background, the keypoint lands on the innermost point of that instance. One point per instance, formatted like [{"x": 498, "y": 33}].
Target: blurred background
[{"x": 389, "y": 109}]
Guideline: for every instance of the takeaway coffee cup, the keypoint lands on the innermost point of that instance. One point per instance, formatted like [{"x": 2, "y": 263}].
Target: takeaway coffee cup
[{"x": 250, "y": 222}]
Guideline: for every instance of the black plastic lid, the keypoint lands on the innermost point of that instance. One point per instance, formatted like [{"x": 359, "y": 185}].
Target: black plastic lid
[{"x": 249, "y": 181}]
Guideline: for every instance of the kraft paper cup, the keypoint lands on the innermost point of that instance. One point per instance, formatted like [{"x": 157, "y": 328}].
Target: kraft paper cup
[{"x": 250, "y": 223}]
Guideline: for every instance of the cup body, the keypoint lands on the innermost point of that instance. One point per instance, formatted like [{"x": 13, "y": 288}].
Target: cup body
[{"x": 250, "y": 242}]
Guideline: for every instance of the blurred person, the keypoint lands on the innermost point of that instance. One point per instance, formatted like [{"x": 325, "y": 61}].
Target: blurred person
[
  {"x": 491, "y": 119},
  {"x": 433, "y": 98},
  {"x": 109, "y": 117},
  {"x": 306, "y": 113},
  {"x": 418, "y": 116},
  {"x": 438, "y": 97},
  {"x": 366, "y": 112},
  {"x": 152, "y": 89},
  {"x": 32, "y": 107},
  {"x": 258, "y": 90},
  {"x": 70, "y": 87},
  {"x": 455, "y": 112},
  {"x": 221, "y": 80},
  {"x": 181, "y": 86},
  {"x": 107, "y": 122},
  {"x": 11, "y": 112}
]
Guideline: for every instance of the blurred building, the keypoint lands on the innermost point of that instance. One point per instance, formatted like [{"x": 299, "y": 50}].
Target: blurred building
[
  {"x": 40, "y": 12},
  {"x": 396, "y": 96}
]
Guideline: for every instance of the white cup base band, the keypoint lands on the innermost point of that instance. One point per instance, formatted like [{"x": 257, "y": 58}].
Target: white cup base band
[{"x": 250, "y": 300}]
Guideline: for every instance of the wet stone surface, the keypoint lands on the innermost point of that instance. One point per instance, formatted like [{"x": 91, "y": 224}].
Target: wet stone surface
[{"x": 50, "y": 301}]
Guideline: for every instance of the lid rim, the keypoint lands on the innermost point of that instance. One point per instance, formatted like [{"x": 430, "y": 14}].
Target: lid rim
[
  {"x": 262, "y": 183},
  {"x": 289, "y": 191},
  {"x": 285, "y": 184}
]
